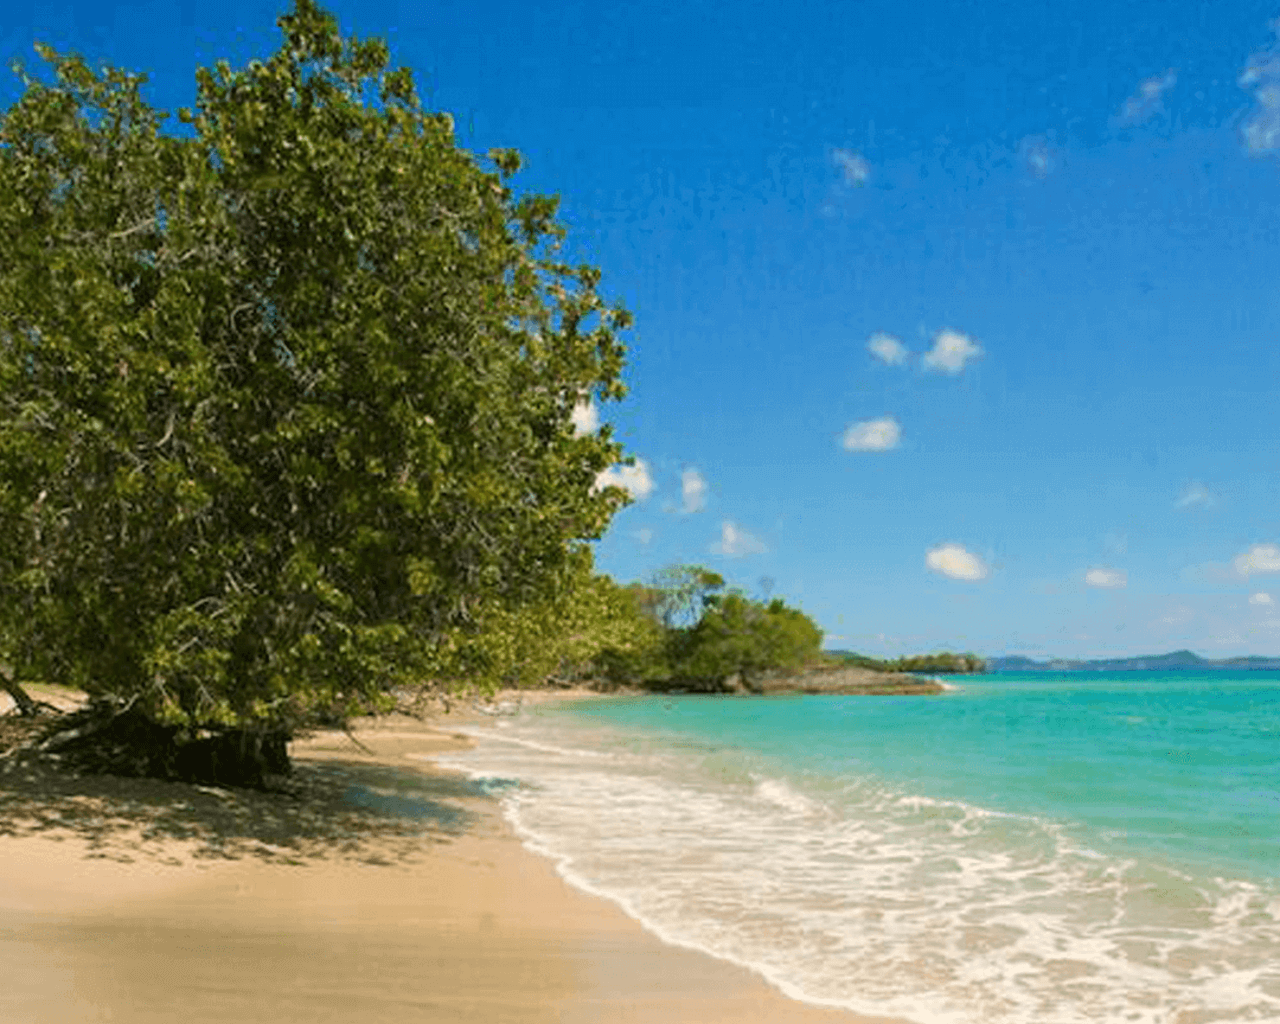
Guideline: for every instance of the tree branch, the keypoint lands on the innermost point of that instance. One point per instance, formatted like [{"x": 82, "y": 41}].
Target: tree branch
[{"x": 28, "y": 707}]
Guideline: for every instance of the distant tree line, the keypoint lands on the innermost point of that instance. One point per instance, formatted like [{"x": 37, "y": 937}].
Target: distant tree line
[{"x": 942, "y": 663}]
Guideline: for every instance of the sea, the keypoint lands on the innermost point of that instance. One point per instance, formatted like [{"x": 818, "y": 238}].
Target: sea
[{"x": 1047, "y": 848}]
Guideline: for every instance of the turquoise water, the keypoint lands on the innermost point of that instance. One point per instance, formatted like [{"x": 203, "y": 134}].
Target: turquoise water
[{"x": 1023, "y": 848}]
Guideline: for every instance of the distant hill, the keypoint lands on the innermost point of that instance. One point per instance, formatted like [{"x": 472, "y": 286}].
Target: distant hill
[{"x": 1173, "y": 661}]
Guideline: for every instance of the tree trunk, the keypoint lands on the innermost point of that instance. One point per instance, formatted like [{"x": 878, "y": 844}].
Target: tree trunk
[{"x": 106, "y": 739}]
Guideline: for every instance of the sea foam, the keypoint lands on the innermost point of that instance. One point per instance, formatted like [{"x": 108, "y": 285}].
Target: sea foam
[{"x": 844, "y": 891}]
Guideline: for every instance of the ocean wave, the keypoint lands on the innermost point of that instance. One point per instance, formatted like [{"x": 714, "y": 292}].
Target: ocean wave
[
  {"x": 778, "y": 793},
  {"x": 883, "y": 902},
  {"x": 546, "y": 748}
]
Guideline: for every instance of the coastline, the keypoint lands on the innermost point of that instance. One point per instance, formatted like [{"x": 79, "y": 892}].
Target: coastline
[{"x": 216, "y": 907}]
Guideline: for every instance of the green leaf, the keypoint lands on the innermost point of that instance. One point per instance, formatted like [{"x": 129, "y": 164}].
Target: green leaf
[{"x": 284, "y": 405}]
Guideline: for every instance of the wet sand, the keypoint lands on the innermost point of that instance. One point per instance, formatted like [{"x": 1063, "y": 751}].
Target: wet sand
[{"x": 212, "y": 906}]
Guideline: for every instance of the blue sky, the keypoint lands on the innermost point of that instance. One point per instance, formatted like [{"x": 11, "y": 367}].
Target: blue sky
[{"x": 958, "y": 324}]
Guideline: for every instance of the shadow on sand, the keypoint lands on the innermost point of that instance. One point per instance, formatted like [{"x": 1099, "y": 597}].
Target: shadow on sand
[{"x": 324, "y": 810}]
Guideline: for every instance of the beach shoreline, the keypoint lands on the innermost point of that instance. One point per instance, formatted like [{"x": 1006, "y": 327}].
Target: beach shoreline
[{"x": 199, "y": 905}]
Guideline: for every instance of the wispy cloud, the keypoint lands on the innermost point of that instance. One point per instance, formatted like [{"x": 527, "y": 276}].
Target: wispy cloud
[
  {"x": 635, "y": 480},
  {"x": 853, "y": 166},
  {"x": 1107, "y": 579},
  {"x": 951, "y": 350},
  {"x": 1195, "y": 496},
  {"x": 693, "y": 491},
  {"x": 735, "y": 542},
  {"x": 1179, "y": 616},
  {"x": 1038, "y": 156},
  {"x": 586, "y": 418},
  {"x": 954, "y": 561},
  {"x": 872, "y": 435},
  {"x": 1261, "y": 597},
  {"x": 643, "y": 535},
  {"x": 1261, "y": 558},
  {"x": 1261, "y": 76},
  {"x": 1146, "y": 101},
  {"x": 888, "y": 349}
]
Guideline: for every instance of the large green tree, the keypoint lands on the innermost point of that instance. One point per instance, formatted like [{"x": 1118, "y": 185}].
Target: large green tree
[
  {"x": 738, "y": 636},
  {"x": 285, "y": 405}
]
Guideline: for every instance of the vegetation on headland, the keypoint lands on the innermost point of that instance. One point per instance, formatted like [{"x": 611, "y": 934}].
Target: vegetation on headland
[
  {"x": 706, "y": 636},
  {"x": 941, "y": 663},
  {"x": 286, "y": 422}
]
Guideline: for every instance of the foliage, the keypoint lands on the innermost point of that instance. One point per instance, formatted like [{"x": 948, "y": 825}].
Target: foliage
[
  {"x": 284, "y": 407},
  {"x": 590, "y": 626},
  {"x": 738, "y": 636},
  {"x": 680, "y": 593},
  {"x": 643, "y": 655},
  {"x": 944, "y": 662},
  {"x": 852, "y": 659},
  {"x": 727, "y": 633}
]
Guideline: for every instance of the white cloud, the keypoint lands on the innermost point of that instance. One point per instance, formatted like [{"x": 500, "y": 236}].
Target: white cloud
[
  {"x": 1195, "y": 496},
  {"x": 585, "y": 417},
  {"x": 954, "y": 561},
  {"x": 853, "y": 166},
  {"x": 951, "y": 350},
  {"x": 888, "y": 349},
  {"x": 1261, "y": 76},
  {"x": 1146, "y": 101},
  {"x": 1261, "y": 558},
  {"x": 633, "y": 479},
  {"x": 1108, "y": 579},
  {"x": 735, "y": 542},
  {"x": 872, "y": 435},
  {"x": 643, "y": 535},
  {"x": 693, "y": 490},
  {"x": 1261, "y": 597}
]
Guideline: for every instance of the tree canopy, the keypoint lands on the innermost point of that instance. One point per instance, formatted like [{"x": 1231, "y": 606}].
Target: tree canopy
[
  {"x": 285, "y": 407},
  {"x": 727, "y": 634},
  {"x": 680, "y": 593},
  {"x": 738, "y": 636}
]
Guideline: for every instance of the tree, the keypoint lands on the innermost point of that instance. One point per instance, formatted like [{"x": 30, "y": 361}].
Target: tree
[
  {"x": 941, "y": 662},
  {"x": 591, "y": 627},
  {"x": 738, "y": 636},
  {"x": 637, "y": 651},
  {"x": 285, "y": 408},
  {"x": 682, "y": 592}
]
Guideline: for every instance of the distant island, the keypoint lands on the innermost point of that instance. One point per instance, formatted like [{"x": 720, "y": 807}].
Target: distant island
[{"x": 1174, "y": 661}]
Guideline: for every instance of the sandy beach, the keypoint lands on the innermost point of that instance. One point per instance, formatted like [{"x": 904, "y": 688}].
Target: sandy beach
[{"x": 382, "y": 888}]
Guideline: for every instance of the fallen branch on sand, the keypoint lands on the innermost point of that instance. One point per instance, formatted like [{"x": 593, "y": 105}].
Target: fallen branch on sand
[{"x": 28, "y": 706}]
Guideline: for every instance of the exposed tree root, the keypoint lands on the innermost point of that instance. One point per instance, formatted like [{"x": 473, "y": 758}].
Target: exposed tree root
[{"x": 105, "y": 738}]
